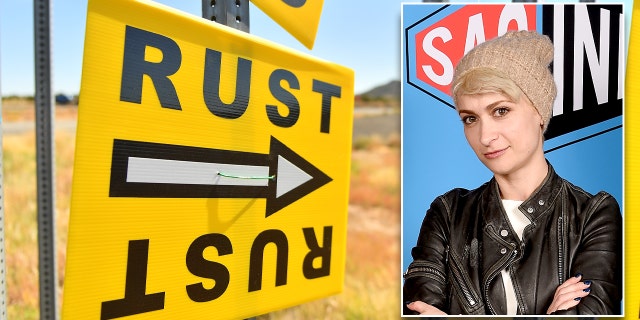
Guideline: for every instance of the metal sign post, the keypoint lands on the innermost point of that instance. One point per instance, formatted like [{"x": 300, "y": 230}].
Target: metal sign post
[
  {"x": 3, "y": 284},
  {"x": 45, "y": 160},
  {"x": 231, "y": 13}
]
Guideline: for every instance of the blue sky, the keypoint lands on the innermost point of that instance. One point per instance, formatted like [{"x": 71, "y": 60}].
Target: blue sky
[{"x": 360, "y": 34}]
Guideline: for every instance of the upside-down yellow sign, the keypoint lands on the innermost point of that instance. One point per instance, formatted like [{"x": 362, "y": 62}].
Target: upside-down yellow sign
[
  {"x": 211, "y": 173},
  {"x": 299, "y": 17}
]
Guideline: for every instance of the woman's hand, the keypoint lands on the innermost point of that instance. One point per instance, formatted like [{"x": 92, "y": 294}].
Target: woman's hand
[
  {"x": 569, "y": 294},
  {"x": 424, "y": 308}
]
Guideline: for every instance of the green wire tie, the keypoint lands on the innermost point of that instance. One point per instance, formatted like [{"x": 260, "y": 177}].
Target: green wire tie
[{"x": 246, "y": 177}]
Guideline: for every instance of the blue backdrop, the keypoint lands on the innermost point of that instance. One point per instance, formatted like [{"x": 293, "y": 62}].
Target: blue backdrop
[{"x": 437, "y": 158}]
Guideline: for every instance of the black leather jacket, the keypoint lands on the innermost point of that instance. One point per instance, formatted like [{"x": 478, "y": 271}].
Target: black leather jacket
[{"x": 466, "y": 240}]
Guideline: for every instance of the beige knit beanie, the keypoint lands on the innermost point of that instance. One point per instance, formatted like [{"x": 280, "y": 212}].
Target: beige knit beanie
[{"x": 523, "y": 57}]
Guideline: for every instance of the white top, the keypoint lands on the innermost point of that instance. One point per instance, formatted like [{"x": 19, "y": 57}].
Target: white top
[{"x": 518, "y": 222}]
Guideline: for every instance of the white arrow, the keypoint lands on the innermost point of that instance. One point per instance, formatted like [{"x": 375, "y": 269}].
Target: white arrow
[{"x": 143, "y": 169}]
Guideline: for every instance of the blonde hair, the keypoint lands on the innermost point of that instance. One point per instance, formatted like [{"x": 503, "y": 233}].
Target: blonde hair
[
  {"x": 485, "y": 80},
  {"x": 523, "y": 58}
]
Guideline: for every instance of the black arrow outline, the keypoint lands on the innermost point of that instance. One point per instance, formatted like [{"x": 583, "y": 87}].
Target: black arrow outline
[{"x": 123, "y": 149}]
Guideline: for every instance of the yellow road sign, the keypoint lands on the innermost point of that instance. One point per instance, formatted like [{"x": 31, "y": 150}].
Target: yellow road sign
[
  {"x": 632, "y": 168},
  {"x": 299, "y": 17},
  {"x": 211, "y": 172}
]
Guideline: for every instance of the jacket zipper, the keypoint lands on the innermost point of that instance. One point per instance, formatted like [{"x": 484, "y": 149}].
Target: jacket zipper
[
  {"x": 560, "y": 250},
  {"x": 492, "y": 275},
  {"x": 424, "y": 269},
  {"x": 466, "y": 292},
  {"x": 467, "y": 295},
  {"x": 561, "y": 243}
]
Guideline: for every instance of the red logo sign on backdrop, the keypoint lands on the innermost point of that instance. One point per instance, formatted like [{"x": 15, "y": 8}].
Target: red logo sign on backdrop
[{"x": 440, "y": 46}]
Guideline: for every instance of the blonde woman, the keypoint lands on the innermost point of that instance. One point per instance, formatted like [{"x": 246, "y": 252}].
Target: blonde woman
[{"x": 526, "y": 242}]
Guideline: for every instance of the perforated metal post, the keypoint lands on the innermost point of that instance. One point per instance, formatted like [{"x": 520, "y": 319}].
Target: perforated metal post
[
  {"x": 45, "y": 160},
  {"x": 232, "y": 13},
  {"x": 3, "y": 284}
]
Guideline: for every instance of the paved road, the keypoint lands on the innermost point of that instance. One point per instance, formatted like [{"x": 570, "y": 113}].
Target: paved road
[{"x": 26, "y": 126}]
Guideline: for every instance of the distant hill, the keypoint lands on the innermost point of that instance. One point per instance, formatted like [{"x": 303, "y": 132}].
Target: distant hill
[
  {"x": 387, "y": 94},
  {"x": 389, "y": 90}
]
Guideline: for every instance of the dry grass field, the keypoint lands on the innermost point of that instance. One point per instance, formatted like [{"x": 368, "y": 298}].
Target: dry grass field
[
  {"x": 20, "y": 205},
  {"x": 372, "y": 280}
]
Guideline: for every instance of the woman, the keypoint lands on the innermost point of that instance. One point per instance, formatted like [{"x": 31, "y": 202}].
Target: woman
[{"x": 527, "y": 241}]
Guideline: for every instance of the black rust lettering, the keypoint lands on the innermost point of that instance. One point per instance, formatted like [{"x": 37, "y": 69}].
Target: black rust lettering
[
  {"x": 211, "y": 86},
  {"x": 256, "y": 259},
  {"x": 316, "y": 252},
  {"x": 201, "y": 267},
  {"x": 134, "y": 67},
  {"x": 328, "y": 91},
  {"x": 295, "y": 3},
  {"x": 135, "y": 299},
  {"x": 284, "y": 96}
]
